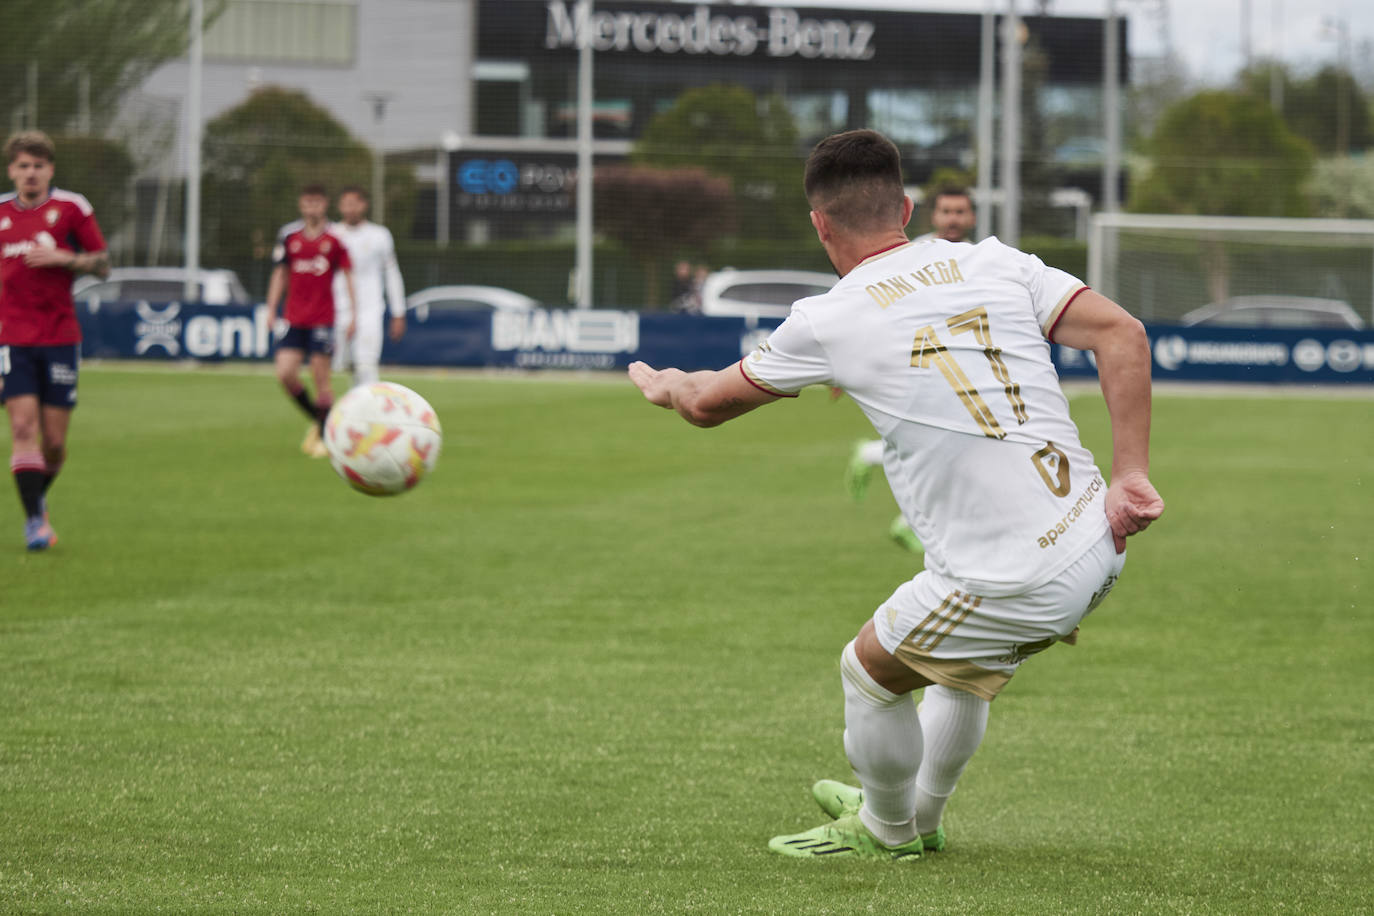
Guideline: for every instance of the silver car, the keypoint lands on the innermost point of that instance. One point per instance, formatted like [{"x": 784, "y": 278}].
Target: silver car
[
  {"x": 1275, "y": 312},
  {"x": 160, "y": 284},
  {"x": 755, "y": 294},
  {"x": 466, "y": 298}
]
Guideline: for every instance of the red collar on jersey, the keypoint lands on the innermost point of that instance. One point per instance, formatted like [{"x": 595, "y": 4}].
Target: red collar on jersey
[{"x": 874, "y": 254}]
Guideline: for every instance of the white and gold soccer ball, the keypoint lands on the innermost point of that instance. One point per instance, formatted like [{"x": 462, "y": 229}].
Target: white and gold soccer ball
[{"x": 382, "y": 438}]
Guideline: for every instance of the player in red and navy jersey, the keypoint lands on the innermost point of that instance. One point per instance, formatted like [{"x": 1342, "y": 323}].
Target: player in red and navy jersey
[
  {"x": 307, "y": 257},
  {"x": 47, "y": 236}
]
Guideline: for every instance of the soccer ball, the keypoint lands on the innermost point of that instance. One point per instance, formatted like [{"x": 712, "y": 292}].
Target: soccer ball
[{"x": 382, "y": 438}]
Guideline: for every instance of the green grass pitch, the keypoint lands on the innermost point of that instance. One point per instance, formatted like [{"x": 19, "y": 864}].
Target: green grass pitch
[{"x": 591, "y": 666}]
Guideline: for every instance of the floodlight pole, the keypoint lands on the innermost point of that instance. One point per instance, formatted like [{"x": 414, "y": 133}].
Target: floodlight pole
[
  {"x": 378, "y": 101},
  {"x": 191, "y": 231},
  {"x": 1009, "y": 229},
  {"x": 582, "y": 295},
  {"x": 986, "y": 76},
  {"x": 1111, "y": 111}
]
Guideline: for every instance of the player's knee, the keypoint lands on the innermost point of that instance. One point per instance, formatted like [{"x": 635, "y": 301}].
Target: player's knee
[
  {"x": 859, "y": 685},
  {"x": 54, "y": 453},
  {"x": 23, "y": 431}
]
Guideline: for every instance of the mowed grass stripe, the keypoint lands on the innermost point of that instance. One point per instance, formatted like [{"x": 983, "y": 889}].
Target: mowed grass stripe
[{"x": 592, "y": 665}]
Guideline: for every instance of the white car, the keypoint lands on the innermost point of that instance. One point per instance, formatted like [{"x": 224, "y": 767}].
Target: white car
[
  {"x": 755, "y": 294},
  {"x": 466, "y": 299},
  {"x": 160, "y": 284},
  {"x": 1275, "y": 312}
]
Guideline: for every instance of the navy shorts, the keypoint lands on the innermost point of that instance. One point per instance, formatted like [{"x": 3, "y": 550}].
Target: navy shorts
[
  {"x": 312, "y": 340},
  {"x": 48, "y": 372}
]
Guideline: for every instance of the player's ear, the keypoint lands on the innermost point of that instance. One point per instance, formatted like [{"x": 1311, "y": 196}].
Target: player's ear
[
  {"x": 821, "y": 224},
  {"x": 908, "y": 208}
]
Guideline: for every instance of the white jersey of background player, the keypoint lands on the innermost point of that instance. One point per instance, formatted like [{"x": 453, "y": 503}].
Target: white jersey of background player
[
  {"x": 945, "y": 348},
  {"x": 373, "y": 253}
]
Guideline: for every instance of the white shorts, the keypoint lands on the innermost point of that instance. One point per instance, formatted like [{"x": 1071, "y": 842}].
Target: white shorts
[
  {"x": 364, "y": 350},
  {"x": 936, "y": 627}
]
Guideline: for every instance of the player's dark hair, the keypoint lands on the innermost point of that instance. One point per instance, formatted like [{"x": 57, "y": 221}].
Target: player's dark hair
[
  {"x": 356, "y": 189},
  {"x": 314, "y": 190},
  {"x": 855, "y": 179},
  {"x": 34, "y": 142},
  {"x": 952, "y": 190}
]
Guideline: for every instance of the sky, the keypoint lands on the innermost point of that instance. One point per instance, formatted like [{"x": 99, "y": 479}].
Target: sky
[{"x": 1205, "y": 34}]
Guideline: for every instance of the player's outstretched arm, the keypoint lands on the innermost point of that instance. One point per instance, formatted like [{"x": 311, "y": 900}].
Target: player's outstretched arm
[
  {"x": 706, "y": 398},
  {"x": 1117, "y": 340}
]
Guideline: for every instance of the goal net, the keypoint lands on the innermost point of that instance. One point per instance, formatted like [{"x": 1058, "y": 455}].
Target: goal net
[{"x": 1162, "y": 267}]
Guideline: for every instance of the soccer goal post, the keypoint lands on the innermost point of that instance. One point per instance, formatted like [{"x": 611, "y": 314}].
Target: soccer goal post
[{"x": 1160, "y": 267}]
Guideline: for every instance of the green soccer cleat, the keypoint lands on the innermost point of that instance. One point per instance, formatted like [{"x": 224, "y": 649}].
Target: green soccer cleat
[
  {"x": 901, "y": 532},
  {"x": 857, "y": 472},
  {"x": 839, "y": 799},
  {"x": 845, "y": 838}
]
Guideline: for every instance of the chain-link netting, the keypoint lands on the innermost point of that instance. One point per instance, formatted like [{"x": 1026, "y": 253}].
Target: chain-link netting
[{"x": 460, "y": 119}]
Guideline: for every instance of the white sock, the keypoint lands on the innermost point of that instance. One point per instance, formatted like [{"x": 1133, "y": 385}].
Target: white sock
[
  {"x": 953, "y": 722},
  {"x": 871, "y": 452},
  {"x": 882, "y": 738}
]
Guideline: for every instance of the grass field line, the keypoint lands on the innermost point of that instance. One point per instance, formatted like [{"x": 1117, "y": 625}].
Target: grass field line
[{"x": 1072, "y": 388}]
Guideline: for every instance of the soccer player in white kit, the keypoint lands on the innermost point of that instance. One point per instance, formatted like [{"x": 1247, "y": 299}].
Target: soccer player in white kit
[
  {"x": 373, "y": 253},
  {"x": 952, "y": 219},
  {"x": 946, "y": 348}
]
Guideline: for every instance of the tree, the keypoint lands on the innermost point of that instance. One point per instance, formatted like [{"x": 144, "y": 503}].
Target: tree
[
  {"x": 100, "y": 48},
  {"x": 735, "y": 134},
  {"x": 656, "y": 213},
  {"x": 100, "y": 170},
  {"x": 256, "y": 158},
  {"x": 1038, "y": 174},
  {"x": 1327, "y": 109},
  {"x": 1224, "y": 154},
  {"x": 1343, "y": 188}
]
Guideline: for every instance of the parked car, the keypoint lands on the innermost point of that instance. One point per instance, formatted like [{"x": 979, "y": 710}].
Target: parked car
[
  {"x": 1275, "y": 312},
  {"x": 758, "y": 294},
  {"x": 466, "y": 299},
  {"x": 161, "y": 284}
]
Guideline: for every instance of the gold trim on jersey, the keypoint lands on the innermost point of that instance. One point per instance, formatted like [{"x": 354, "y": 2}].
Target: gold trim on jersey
[
  {"x": 760, "y": 383},
  {"x": 1058, "y": 309}
]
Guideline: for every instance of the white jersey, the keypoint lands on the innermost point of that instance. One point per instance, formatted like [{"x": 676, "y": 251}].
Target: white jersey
[
  {"x": 944, "y": 346},
  {"x": 373, "y": 253}
]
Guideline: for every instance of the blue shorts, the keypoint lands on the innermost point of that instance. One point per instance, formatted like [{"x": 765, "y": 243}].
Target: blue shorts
[
  {"x": 47, "y": 372},
  {"x": 312, "y": 340}
]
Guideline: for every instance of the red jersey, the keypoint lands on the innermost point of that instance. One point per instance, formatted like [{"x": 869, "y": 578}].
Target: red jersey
[
  {"x": 311, "y": 263},
  {"x": 36, "y": 302}
]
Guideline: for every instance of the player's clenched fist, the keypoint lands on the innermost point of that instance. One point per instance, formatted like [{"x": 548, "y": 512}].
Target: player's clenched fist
[{"x": 1132, "y": 503}]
